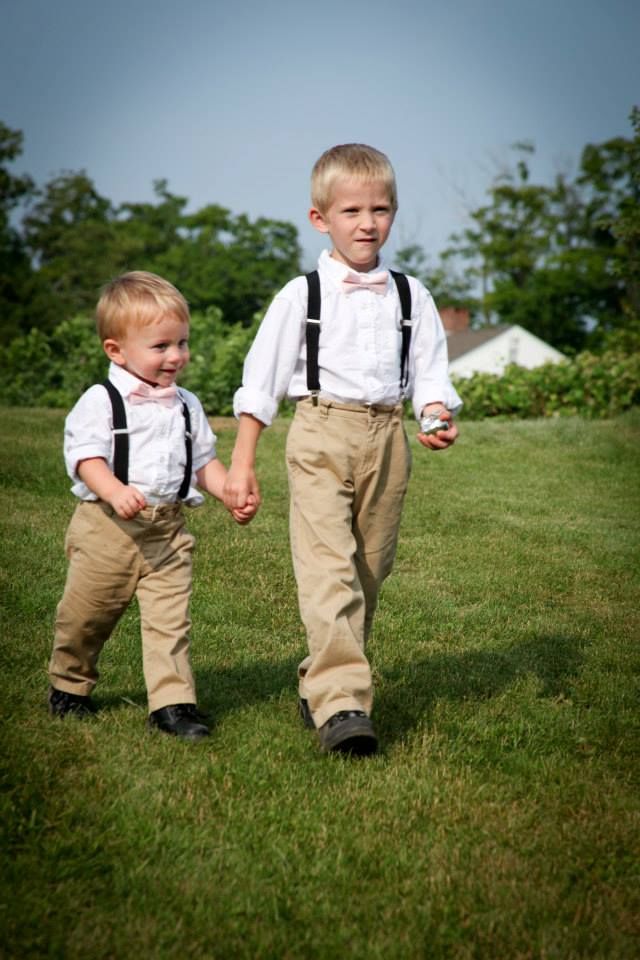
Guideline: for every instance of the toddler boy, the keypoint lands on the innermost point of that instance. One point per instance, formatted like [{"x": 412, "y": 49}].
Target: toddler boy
[
  {"x": 347, "y": 453},
  {"x": 136, "y": 447}
]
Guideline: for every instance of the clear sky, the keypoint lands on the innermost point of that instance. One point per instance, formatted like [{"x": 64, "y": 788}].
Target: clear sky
[{"x": 233, "y": 101}]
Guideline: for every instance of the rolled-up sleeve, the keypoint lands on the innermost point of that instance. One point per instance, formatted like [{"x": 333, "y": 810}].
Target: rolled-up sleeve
[
  {"x": 272, "y": 359},
  {"x": 87, "y": 430},
  {"x": 429, "y": 358}
]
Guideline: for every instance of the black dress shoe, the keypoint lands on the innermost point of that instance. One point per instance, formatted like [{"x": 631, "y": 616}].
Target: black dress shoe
[
  {"x": 61, "y": 703},
  {"x": 181, "y": 720},
  {"x": 305, "y": 713},
  {"x": 348, "y": 731}
]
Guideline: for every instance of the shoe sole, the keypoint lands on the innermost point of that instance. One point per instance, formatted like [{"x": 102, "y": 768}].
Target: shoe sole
[
  {"x": 74, "y": 709},
  {"x": 354, "y": 737},
  {"x": 188, "y": 737}
]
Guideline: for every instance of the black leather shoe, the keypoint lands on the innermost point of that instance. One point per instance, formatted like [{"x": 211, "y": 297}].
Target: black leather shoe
[
  {"x": 348, "y": 731},
  {"x": 61, "y": 703},
  {"x": 305, "y": 713},
  {"x": 181, "y": 720}
]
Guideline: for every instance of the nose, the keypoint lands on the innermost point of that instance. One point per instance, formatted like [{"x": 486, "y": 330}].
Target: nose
[
  {"x": 175, "y": 354},
  {"x": 367, "y": 221}
]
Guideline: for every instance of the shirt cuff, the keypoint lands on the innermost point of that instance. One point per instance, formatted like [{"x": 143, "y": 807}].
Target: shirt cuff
[
  {"x": 257, "y": 404},
  {"x": 444, "y": 395},
  {"x": 83, "y": 451}
]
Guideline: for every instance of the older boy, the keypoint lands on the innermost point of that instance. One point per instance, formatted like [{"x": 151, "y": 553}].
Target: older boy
[
  {"x": 127, "y": 534},
  {"x": 348, "y": 457}
]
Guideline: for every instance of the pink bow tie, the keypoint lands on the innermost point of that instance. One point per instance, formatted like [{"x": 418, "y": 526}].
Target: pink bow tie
[
  {"x": 366, "y": 281},
  {"x": 144, "y": 393}
]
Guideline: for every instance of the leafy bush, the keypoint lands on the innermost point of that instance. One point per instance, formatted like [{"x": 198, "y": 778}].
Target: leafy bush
[
  {"x": 217, "y": 355},
  {"x": 592, "y": 385},
  {"x": 53, "y": 370}
]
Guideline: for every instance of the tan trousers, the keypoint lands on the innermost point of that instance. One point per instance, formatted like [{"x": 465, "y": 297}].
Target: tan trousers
[
  {"x": 348, "y": 471},
  {"x": 110, "y": 560}
]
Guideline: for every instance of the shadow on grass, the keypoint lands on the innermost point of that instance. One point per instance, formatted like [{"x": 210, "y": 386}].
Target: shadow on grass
[
  {"x": 408, "y": 693},
  {"x": 405, "y": 694},
  {"x": 225, "y": 689}
]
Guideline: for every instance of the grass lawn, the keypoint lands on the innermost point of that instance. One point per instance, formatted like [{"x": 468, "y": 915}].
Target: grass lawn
[{"x": 500, "y": 820}]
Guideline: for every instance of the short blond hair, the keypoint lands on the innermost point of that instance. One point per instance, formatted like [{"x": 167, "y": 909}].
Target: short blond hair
[
  {"x": 135, "y": 300},
  {"x": 349, "y": 161}
]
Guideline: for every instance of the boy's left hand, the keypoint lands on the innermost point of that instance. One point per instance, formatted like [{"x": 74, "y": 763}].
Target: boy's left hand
[
  {"x": 245, "y": 514},
  {"x": 443, "y": 438}
]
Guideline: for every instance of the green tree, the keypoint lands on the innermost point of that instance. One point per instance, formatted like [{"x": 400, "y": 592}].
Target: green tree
[
  {"x": 18, "y": 282},
  {"x": 560, "y": 259},
  {"x": 610, "y": 176},
  {"x": 72, "y": 237},
  {"x": 448, "y": 288},
  {"x": 78, "y": 240}
]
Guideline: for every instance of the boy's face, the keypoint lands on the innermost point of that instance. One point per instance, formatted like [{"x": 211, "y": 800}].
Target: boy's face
[
  {"x": 358, "y": 220},
  {"x": 155, "y": 353}
]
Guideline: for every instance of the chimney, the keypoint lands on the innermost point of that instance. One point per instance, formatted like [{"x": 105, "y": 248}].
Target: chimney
[{"x": 454, "y": 319}]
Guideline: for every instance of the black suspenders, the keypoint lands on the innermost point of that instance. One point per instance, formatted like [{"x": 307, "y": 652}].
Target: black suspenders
[
  {"x": 312, "y": 330},
  {"x": 121, "y": 440},
  {"x": 404, "y": 292}
]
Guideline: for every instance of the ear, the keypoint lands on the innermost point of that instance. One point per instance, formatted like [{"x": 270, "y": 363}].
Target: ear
[
  {"x": 114, "y": 352},
  {"x": 318, "y": 221}
]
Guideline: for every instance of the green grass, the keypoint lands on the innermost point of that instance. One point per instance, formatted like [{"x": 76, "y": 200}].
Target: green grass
[{"x": 502, "y": 816}]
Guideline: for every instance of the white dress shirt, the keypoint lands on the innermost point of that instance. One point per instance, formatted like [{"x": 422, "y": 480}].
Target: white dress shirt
[
  {"x": 157, "y": 454},
  {"x": 360, "y": 348}
]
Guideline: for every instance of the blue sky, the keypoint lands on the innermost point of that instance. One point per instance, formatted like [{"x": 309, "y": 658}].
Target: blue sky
[{"x": 232, "y": 101}]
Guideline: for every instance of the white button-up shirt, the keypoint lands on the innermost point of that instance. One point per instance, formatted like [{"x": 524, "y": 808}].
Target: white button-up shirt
[
  {"x": 157, "y": 453},
  {"x": 360, "y": 348}
]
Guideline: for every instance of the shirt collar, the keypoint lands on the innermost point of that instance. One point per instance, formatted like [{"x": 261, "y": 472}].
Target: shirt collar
[{"x": 122, "y": 379}]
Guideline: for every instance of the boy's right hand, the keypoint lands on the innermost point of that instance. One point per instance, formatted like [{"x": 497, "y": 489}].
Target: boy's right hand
[{"x": 127, "y": 502}]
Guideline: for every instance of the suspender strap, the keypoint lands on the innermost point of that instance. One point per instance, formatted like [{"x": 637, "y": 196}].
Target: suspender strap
[
  {"x": 404, "y": 292},
  {"x": 186, "y": 482},
  {"x": 120, "y": 434},
  {"x": 121, "y": 440},
  {"x": 312, "y": 333},
  {"x": 312, "y": 330}
]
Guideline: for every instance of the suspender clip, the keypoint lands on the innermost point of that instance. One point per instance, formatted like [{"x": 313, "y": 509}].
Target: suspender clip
[{"x": 314, "y": 397}]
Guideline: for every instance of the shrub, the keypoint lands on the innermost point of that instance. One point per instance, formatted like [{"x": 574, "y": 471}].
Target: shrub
[
  {"x": 53, "y": 370},
  {"x": 592, "y": 385}
]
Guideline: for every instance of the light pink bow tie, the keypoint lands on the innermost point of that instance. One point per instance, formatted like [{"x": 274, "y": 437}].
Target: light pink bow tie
[
  {"x": 366, "y": 281},
  {"x": 145, "y": 393}
]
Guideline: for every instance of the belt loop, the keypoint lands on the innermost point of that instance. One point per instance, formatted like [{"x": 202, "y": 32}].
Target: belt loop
[{"x": 325, "y": 406}]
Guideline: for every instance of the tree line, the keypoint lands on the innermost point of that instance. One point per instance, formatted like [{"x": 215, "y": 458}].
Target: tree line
[{"x": 560, "y": 259}]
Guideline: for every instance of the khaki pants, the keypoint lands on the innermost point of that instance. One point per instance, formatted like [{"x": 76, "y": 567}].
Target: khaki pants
[
  {"x": 348, "y": 471},
  {"x": 110, "y": 560}
]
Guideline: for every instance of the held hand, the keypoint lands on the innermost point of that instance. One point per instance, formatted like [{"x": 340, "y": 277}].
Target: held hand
[
  {"x": 241, "y": 490},
  {"x": 244, "y": 515},
  {"x": 442, "y": 438},
  {"x": 127, "y": 502}
]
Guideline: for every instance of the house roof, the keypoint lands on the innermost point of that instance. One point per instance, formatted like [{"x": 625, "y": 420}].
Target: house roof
[{"x": 463, "y": 341}]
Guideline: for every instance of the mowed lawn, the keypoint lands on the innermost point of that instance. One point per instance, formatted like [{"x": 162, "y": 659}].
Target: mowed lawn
[{"x": 501, "y": 818}]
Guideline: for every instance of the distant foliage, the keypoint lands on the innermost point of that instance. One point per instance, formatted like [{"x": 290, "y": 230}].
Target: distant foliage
[
  {"x": 217, "y": 355},
  {"x": 593, "y": 385},
  {"x": 53, "y": 370}
]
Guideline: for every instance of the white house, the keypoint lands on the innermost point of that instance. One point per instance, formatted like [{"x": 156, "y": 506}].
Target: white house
[{"x": 491, "y": 349}]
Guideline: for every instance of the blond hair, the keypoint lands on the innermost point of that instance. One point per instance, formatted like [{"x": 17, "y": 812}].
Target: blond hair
[
  {"x": 349, "y": 161},
  {"x": 137, "y": 299}
]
